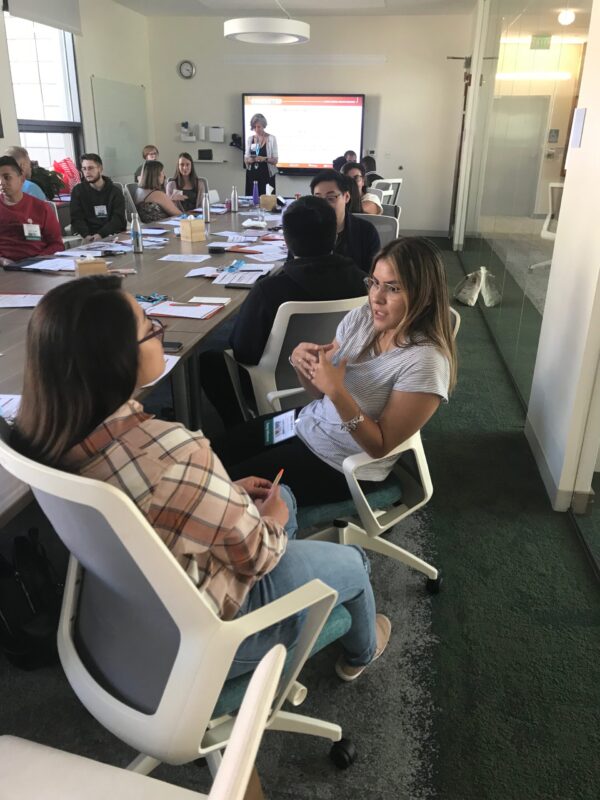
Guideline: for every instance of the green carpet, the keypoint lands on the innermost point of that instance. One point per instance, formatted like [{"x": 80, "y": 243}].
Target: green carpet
[{"x": 517, "y": 683}]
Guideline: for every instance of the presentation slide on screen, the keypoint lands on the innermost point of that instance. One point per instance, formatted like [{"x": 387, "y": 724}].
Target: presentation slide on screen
[{"x": 311, "y": 130}]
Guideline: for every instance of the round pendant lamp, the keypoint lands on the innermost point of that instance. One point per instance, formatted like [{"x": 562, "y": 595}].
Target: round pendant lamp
[
  {"x": 267, "y": 30},
  {"x": 566, "y": 17}
]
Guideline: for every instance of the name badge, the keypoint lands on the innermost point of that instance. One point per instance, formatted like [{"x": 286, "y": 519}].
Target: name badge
[
  {"x": 32, "y": 232},
  {"x": 100, "y": 211}
]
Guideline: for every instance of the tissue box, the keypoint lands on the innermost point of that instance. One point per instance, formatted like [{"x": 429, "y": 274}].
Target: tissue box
[
  {"x": 90, "y": 266},
  {"x": 192, "y": 230},
  {"x": 268, "y": 201}
]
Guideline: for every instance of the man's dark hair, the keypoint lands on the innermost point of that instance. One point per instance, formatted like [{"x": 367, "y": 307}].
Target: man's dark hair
[
  {"x": 339, "y": 162},
  {"x": 309, "y": 227},
  {"x": 9, "y": 161},
  {"x": 91, "y": 157},
  {"x": 342, "y": 182},
  {"x": 349, "y": 153},
  {"x": 369, "y": 163},
  {"x": 353, "y": 165}
]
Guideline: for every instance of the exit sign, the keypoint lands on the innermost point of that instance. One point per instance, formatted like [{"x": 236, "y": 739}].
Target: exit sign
[{"x": 541, "y": 41}]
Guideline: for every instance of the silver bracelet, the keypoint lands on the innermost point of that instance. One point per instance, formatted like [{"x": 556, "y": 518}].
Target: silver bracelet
[
  {"x": 291, "y": 362},
  {"x": 352, "y": 424}
]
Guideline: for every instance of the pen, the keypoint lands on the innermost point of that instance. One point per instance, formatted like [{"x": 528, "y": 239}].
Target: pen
[{"x": 277, "y": 479}]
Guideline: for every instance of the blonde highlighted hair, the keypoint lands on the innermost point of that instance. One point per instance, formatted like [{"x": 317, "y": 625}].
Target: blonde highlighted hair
[{"x": 420, "y": 271}]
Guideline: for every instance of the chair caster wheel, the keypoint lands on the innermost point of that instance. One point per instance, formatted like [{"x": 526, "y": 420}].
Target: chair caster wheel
[
  {"x": 343, "y": 753},
  {"x": 433, "y": 585}
]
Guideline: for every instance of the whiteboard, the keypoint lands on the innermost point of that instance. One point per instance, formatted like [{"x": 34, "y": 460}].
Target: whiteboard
[{"x": 121, "y": 125}]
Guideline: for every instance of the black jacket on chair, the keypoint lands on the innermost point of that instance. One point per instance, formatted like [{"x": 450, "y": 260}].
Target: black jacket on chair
[{"x": 330, "y": 277}]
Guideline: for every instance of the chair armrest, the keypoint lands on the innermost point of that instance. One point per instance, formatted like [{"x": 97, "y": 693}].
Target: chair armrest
[
  {"x": 278, "y": 394},
  {"x": 352, "y": 463},
  {"x": 317, "y": 600}
]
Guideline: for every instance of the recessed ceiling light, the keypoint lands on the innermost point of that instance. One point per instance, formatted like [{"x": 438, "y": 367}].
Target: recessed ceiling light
[{"x": 566, "y": 17}]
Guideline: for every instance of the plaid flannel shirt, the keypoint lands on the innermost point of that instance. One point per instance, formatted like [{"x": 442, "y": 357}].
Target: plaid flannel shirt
[{"x": 210, "y": 524}]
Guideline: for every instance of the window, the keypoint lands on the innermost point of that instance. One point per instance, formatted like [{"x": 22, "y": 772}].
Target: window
[{"x": 42, "y": 63}]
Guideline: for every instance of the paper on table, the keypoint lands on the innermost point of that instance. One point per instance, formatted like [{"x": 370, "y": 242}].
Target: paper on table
[
  {"x": 9, "y": 405},
  {"x": 185, "y": 258},
  {"x": 153, "y": 231},
  {"x": 170, "y": 362},
  {"x": 52, "y": 265},
  {"x": 184, "y": 310},
  {"x": 221, "y": 301},
  {"x": 202, "y": 272},
  {"x": 174, "y": 222},
  {"x": 241, "y": 278},
  {"x": 233, "y": 236},
  {"x": 19, "y": 300},
  {"x": 268, "y": 256}
]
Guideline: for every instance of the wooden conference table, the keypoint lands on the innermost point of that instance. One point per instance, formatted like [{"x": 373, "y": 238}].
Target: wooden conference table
[{"x": 153, "y": 275}]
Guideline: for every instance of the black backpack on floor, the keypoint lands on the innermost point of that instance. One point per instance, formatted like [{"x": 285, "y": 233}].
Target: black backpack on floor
[{"x": 30, "y": 600}]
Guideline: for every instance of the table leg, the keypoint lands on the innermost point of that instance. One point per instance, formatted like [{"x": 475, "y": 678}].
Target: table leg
[{"x": 181, "y": 399}]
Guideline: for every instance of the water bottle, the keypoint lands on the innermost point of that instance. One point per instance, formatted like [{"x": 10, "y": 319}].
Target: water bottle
[
  {"x": 206, "y": 209},
  {"x": 234, "y": 199},
  {"x": 136, "y": 234},
  {"x": 255, "y": 197}
]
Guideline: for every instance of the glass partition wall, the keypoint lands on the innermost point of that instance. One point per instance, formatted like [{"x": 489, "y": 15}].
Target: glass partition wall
[{"x": 529, "y": 86}]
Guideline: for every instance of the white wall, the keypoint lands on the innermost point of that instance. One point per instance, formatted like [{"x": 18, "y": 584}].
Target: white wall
[
  {"x": 413, "y": 100},
  {"x": 7, "y": 100},
  {"x": 562, "y": 400},
  {"x": 114, "y": 45}
]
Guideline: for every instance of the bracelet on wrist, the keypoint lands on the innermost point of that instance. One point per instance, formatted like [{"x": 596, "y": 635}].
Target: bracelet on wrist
[
  {"x": 291, "y": 362},
  {"x": 352, "y": 424}
]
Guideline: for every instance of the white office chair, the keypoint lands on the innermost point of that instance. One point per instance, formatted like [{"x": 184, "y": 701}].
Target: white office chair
[
  {"x": 213, "y": 196},
  {"x": 391, "y": 211},
  {"x": 387, "y": 227},
  {"x": 377, "y": 192},
  {"x": 142, "y": 648},
  {"x": 412, "y": 470},
  {"x": 555, "y": 193},
  {"x": 273, "y": 375},
  {"x": 69, "y": 240},
  {"x": 390, "y": 188},
  {"x": 31, "y": 770}
]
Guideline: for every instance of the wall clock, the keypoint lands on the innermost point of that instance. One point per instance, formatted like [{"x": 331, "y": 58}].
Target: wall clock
[{"x": 186, "y": 69}]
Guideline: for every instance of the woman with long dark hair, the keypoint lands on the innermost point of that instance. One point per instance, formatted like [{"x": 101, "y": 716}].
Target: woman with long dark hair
[
  {"x": 89, "y": 345},
  {"x": 185, "y": 188}
]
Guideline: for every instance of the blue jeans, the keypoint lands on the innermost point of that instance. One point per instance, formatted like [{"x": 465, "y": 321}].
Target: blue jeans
[{"x": 344, "y": 568}]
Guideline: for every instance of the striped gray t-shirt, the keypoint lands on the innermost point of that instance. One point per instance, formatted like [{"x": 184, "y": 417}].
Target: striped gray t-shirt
[{"x": 416, "y": 368}]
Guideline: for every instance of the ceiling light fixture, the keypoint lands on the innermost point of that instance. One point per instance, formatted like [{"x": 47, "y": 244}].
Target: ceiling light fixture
[
  {"x": 267, "y": 30},
  {"x": 566, "y": 17}
]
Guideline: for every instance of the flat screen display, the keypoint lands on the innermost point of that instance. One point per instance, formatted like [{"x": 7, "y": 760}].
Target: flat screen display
[{"x": 311, "y": 129}]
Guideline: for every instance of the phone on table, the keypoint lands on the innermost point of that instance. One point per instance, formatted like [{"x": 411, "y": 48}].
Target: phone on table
[
  {"x": 172, "y": 347},
  {"x": 280, "y": 427}
]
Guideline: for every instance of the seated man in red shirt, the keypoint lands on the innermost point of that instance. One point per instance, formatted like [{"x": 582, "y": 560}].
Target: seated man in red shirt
[{"x": 28, "y": 226}]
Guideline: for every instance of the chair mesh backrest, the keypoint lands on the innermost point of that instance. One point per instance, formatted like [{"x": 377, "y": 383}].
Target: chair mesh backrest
[
  {"x": 386, "y": 227},
  {"x": 318, "y": 328},
  {"x": 123, "y": 633},
  {"x": 130, "y": 193}
]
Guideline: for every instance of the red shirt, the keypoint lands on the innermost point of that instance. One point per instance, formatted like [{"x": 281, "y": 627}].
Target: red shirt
[{"x": 13, "y": 243}]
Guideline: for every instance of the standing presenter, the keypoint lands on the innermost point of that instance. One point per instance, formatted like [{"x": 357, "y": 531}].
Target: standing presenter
[{"x": 261, "y": 156}]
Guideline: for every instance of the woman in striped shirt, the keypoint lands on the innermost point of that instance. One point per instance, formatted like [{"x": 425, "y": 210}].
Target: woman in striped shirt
[{"x": 391, "y": 364}]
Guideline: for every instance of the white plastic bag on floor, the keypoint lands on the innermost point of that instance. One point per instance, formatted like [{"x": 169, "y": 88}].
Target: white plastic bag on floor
[
  {"x": 489, "y": 291},
  {"x": 467, "y": 291}
]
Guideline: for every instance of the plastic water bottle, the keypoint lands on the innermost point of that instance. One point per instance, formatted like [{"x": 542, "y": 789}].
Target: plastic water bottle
[
  {"x": 136, "y": 234},
  {"x": 206, "y": 209},
  {"x": 255, "y": 197},
  {"x": 234, "y": 199}
]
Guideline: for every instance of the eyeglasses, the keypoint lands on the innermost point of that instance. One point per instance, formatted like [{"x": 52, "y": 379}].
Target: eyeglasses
[
  {"x": 388, "y": 288},
  {"x": 358, "y": 178},
  {"x": 331, "y": 198},
  {"x": 158, "y": 330}
]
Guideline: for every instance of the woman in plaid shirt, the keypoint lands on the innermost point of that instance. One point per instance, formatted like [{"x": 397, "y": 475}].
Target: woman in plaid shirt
[{"x": 89, "y": 345}]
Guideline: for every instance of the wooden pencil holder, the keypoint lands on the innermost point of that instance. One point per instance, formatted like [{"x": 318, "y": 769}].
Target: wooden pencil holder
[
  {"x": 192, "y": 230},
  {"x": 90, "y": 266}
]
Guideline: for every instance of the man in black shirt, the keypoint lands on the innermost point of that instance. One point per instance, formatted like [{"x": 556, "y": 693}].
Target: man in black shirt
[
  {"x": 314, "y": 273},
  {"x": 356, "y": 238},
  {"x": 97, "y": 205}
]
